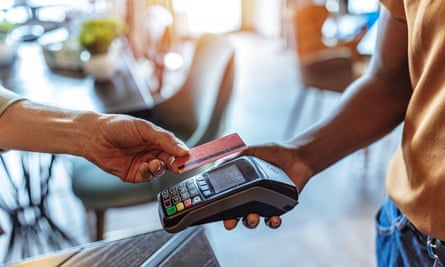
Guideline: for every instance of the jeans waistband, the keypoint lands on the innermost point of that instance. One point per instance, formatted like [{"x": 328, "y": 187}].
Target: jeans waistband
[{"x": 436, "y": 248}]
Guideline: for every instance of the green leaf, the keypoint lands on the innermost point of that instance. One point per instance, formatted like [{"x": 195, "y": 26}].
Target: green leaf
[{"x": 97, "y": 34}]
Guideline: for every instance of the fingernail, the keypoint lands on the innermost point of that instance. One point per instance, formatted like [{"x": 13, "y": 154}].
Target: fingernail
[
  {"x": 250, "y": 226},
  {"x": 171, "y": 160},
  {"x": 160, "y": 166},
  {"x": 182, "y": 146},
  {"x": 272, "y": 224},
  {"x": 148, "y": 178},
  {"x": 161, "y": 169}
]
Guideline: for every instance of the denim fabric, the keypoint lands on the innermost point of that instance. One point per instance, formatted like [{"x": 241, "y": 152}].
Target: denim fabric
[{"x": 399, "y": 243}]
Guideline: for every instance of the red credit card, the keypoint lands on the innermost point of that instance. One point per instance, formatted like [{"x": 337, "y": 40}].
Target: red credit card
[{"x": 211, "y": 151}]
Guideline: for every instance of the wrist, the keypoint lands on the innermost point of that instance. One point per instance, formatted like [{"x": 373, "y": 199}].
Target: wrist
[
  {"x": 301, "y": 169},
  {"x": 84, "y": 126},
  {"x": 314, "y": 148}
]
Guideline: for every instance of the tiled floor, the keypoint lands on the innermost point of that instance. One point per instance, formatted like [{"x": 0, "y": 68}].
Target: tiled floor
[{"x": 333, "y": 224}]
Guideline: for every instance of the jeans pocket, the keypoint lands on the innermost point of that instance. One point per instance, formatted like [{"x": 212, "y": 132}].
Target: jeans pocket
[
  {"x": 398, "y": 242},
  {"x": 388, "y": 219}
]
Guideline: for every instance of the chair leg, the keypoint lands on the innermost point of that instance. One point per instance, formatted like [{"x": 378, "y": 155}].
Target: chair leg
[
  {"x": 365, "y": 161},
  {"x": 100, "y": 224},
  {"x": 295, "y": 114},
  {"x": 96, "y": 225}
]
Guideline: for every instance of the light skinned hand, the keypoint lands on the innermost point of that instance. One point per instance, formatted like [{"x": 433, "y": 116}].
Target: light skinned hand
[
  {"x": 133, "y": 149},
  {"x": 286, "y": 158}
]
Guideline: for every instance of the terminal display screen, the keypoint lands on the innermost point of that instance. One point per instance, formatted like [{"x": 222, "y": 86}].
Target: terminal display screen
[{"x": 225, "y": 178}]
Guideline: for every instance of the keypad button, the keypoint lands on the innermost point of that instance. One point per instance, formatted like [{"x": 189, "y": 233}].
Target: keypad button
[
  {"x": 171, "y": 210},
  {"x": 167, "y": 203},
  {"x": 191, "y": 186},
  {"x": 180, "y": 206},
  {"x": 206, "y": 193},
  {"x": 204, "y": 187},
  {"x": 196, "y": 200},
  {"x": 176, "y": 200},
  {"x": 193, "y": 192},
  {"x": 185, "y": 195},
  {"x": 187, "y": 203},
  {"x": 173, "y": 188},
  {"x": 165, "y": 194}
]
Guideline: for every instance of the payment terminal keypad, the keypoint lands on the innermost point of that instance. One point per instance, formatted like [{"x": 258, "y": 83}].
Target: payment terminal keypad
[{"x": 184, "y": 195}]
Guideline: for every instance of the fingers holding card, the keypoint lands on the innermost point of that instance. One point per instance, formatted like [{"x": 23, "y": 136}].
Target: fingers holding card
[{"x": 211, "y": 151}]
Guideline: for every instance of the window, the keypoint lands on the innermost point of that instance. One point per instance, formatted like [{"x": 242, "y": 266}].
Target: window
[
  {"x": 213, "y": 16},
  {"x": 360, "y": 6}
]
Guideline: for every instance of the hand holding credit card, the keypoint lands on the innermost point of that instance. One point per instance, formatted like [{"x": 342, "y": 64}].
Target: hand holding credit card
[{"x": 211, "y": 151}]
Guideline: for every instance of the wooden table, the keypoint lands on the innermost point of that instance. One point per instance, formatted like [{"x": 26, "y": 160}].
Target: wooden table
[
  {"x": 31, "y": 77},
  {"x": 158, "y": 248}
]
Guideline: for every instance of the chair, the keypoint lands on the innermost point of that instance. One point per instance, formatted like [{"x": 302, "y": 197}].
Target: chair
[
  {"x": 195, "y": 114},
  {"x": 27, "y": 205},
  {"x": 321, "y": 67}
]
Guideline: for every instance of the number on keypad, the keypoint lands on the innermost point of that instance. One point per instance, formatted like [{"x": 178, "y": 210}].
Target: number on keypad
[{"x": 183, "y": 195}]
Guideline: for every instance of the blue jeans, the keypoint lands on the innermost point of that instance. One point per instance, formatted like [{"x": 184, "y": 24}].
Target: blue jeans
[{"x": 399, "y": 243}]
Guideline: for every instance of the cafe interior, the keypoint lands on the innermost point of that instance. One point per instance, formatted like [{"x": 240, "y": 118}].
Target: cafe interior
[{"x": 203, "y": 69}]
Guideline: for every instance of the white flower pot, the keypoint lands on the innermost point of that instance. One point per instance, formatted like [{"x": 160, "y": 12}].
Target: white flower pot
[
  {"x": 101, "y": 66},
  {"x": 8, "y": 52}
]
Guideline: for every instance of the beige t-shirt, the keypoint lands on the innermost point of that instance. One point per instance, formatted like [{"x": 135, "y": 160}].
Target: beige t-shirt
[
  {"x": 416, "y": 174},
  {"x": 7, "y": 98}
]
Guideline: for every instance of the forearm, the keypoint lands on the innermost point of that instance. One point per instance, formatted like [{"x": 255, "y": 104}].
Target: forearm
[
  {"x": 370, "y": 109},
  {"x": 33, "y": 127}
]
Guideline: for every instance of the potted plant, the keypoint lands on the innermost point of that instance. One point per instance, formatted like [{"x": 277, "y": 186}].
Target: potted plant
[
  {"x": 8, "y": 46},
  {"x": 97, "y": 37}
]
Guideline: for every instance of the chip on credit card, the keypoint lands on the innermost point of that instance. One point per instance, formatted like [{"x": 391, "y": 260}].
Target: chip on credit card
[{"x": 211, "y": 151}]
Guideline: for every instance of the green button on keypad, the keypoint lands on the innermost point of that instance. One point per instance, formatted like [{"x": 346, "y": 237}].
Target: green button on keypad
[{"x": 171, "y": 210}]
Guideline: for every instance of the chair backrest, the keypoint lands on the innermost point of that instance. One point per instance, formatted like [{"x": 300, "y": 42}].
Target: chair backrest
[
  {"x": 324, "y": 67},
  {"x": 196, "y": 111},
  {"x": 308, "y": 22}
]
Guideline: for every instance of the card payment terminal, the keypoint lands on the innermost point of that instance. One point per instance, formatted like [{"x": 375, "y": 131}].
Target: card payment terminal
[{"x": 233, "y": 189}]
